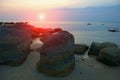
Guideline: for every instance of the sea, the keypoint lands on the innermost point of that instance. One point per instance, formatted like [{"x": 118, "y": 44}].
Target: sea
[{"x": 86, "y": 32}]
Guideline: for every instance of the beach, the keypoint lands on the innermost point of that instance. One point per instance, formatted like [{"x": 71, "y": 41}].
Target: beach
[
  {"x": 86, "y": 67},
  {"x": 60, "y": 40}
]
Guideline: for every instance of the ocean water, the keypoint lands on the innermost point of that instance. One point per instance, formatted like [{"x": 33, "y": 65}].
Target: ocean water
[{"x": 86, "y": 34}]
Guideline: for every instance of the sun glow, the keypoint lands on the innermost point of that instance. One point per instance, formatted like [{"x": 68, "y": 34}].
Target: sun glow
[{"x": 41, "y": 16}]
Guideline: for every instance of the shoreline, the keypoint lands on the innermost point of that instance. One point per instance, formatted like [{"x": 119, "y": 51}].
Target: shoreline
[{"x": 87, "y": 68}]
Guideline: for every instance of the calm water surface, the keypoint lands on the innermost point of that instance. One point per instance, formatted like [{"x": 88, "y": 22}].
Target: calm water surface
[{"x": 86, "y": 34}]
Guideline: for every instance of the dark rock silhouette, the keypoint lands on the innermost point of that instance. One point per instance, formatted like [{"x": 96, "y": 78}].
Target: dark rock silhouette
[
  {"x": 33, "y": 31},
  {"x": 110, "y": 56},
  {"x": 15, "y": 40},
  {"x": 14, "y": 46},
  {"x": 113, "y": 30},
  {"x": 89, "y": 24},
  {"x": 24, "y": 26},
  {"x": 80, "y": 49},
  {"x": 1, "y": 23},
  {"x": 56, "y": 55},
  {"x": 45, "y": 36},
  {"x": 45, "y": 33},
  {"x": 57, "y": 30},
  {"x": 96, "y": 47}
]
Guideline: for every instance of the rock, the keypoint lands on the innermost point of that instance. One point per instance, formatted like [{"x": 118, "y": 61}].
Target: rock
[
  {"x": 14, "y": 46},
  {"x": 110, "y": 56},
  {"x": 29, "y": 28},
  {"x": 96, "y": 47},
  {"x": 56, "y": 55},
  {"x": 80, "y": 49},
  {"x": 57, "y": 30},
  {"x": 48, "y": 32},
  {"x": 32, "y": 30},
  {"x": 113, "y": 30},
  {"x": 89, "y": 24},
  {"x": 107, "y": 44},
  {"x": 45, "y": 36},
  {"x": 45, "y": 30}
]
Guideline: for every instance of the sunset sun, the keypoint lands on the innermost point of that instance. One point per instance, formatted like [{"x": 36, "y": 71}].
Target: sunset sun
[{"x": 41, "y": 16}]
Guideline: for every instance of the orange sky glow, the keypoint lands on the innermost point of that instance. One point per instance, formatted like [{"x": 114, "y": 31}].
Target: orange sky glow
[{"x": 31, "y": 10}]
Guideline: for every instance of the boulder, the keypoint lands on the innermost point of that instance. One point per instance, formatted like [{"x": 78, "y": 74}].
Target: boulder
[
  {"x": 96, "y": 47},
  {"x": 110, "y": 56},
  {"x": 14, "y": 46},
  {"x": 80, "y": 48},
  {"x": 32, "y": 30},
  {"x": 56, "y": 30},
  {"x": 56, "y": 55},
  {"x": 108, "y": 44},
  {"x": 45, "y": 36},
  {"x": 48, "y": 32}
]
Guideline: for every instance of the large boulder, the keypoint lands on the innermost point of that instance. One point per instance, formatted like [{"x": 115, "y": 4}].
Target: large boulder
[
  {"x": 110, "y": 56},
  {"x": 14, "y": 46},
  {"x": 32, "y": 30},
  {"x": 80, "y": 49},
  {"x": 56, "y": 55},
  {"x": 96, "y": 47}
]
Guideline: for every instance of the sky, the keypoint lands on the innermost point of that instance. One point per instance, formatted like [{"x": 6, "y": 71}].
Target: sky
[
  {"x": 59, "y": 9},
  {"x": 55, "y": 3}
]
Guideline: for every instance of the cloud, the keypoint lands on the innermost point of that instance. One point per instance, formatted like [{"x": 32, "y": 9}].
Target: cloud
[
  {"x": 57, "y": 3},
  {"x": 93, "y": 3},
  {"x": 18, "y": 8}
]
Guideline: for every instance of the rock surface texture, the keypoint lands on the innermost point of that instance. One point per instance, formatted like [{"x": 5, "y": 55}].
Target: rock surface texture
[
  {"x": 56, "y": 55},
  {"x": 80, "y": 49},
  {"x": 110, "y": 56},
  {"x": 96, "y": 47},
  {"x": 32, "y": 30},
  {"x": 14, "y": 46}
]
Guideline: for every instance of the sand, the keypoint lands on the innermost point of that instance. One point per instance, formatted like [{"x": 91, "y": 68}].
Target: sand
[{"x": 87, "y": 68}]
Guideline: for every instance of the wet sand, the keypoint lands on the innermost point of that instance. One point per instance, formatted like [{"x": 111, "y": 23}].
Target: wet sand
[{"x": 87, "y": 68}]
